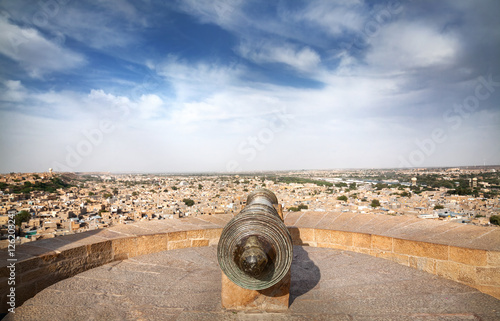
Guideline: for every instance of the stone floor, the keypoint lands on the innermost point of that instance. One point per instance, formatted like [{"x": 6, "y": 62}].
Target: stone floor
[{"x": 326, "y": 285}]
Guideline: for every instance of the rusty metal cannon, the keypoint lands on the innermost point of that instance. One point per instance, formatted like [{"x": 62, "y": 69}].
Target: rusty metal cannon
[{"x": 255, "y": 249}]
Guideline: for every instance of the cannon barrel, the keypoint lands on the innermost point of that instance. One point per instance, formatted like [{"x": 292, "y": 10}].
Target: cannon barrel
[{"x": 255, "y": 249}]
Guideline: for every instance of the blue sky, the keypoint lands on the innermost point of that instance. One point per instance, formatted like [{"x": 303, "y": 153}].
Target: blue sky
[{"x": 192, "y": 86}]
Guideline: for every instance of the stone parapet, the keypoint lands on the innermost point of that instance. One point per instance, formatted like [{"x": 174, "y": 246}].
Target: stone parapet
[{"x": 463, "y": 253}]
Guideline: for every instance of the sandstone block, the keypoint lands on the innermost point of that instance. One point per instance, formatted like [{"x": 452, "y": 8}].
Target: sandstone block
[
  {"x": 468, "y": 256},
  {"x": 383, "y": 243},
  {"x": 421, "y": 249},
  {"x": 361, "y": 240},
  {"x": 273, "y": 299}
]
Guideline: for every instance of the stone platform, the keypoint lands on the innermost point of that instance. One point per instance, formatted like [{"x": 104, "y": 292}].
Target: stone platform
[
  {"x": 462, "y": 253},
  {"x": 327, "y": 284}
]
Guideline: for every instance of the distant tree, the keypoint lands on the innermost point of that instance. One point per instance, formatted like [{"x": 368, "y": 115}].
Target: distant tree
[
  {"x": 342, "y": 198},
  {"x": 405, "y": 194},
  {"x": 174, "y": 188},
  {"x": 107, "y": 195},
  {"x": 353, "y": 186},
  {"x": 293, "y": 209},
  {"x": 200, "y": 186},
  {"x": 303, "y": 207},
  {"x": 438, "y": 207},
  {"x": 91, "y": 193},
  {"x": 495, "y": 219},
  {"x": 23, "y": 216},
  {"x": 135, "y": 193},
  {"x": 188, "y": 201},
  {"x": 375, "y": 203}
]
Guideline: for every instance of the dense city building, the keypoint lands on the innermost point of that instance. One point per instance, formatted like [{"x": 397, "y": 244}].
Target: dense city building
[{"x": 49, "y": 204}]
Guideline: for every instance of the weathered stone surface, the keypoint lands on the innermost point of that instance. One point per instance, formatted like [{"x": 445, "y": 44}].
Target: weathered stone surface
[
  {"x": 421, "y": 249},
  {"x": 302, "y": 236},
  {"x": 383, "y": 243},
  {"x": 493, "y": 258},
  {"x": 488, "y": 275},
  {"x": 198, "y": 243},
  {"x": 464, "y": 253},
  {"x": 468, "y": 256},
  {"x": 361, "y": 240},
  {"x": 422, "y": 263},
  {"x": 325, "y": 285},
  {"x": 273, "y": 299},
  {"x": 174, "y": 245},
  {"x": 334, "y": 237}
]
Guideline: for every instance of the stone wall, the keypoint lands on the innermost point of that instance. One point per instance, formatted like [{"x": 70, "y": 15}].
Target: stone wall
[
  {"x": 41, "y": 268},
  {"x": 470, "y": 255},
  {"x": 479, "y": 269}
]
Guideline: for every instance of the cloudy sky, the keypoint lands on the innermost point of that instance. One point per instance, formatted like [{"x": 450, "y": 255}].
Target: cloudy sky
[{"x": 232, "y": 85}]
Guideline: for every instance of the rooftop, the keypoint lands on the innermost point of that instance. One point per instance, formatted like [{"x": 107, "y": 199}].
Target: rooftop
[
  {"x": 327, "y": 284},
  {"x": 357, "y": 266}
]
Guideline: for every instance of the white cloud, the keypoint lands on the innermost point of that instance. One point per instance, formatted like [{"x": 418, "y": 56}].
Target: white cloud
[
  {"x": 100, "y": 30},
  {"x": 35, "y": 54},
  {"x": 150, "y": 106},
  {"x": 301, "y": 58},
  {"x": 14, "y": 91},
  {"x": 192, "y": 81},
  {"x": 401, "y": 46},
  {"x": 225, "y": 13},
  {"x": 334, "y": 17}
]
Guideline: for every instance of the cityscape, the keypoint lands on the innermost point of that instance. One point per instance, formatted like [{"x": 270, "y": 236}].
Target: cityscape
[
  {"x": 51, "y": 204},
  {"x": 249, "y": 160}
]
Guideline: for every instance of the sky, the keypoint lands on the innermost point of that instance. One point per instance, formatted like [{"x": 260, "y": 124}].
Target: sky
[{"x": 235, "y": 86}]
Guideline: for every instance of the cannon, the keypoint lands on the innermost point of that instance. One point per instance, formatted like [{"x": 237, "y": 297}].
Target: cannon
[{"x": 255, "y": 249}]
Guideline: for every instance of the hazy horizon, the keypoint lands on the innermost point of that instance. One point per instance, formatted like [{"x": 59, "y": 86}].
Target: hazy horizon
[
  {"x": 195, "y": 173},
  {"x": 242, "y": 86}
]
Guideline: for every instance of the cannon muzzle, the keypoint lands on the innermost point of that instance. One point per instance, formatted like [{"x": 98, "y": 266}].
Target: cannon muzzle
[{"x": 255, "y": 249}]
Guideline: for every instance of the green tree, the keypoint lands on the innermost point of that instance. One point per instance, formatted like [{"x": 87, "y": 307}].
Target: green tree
[
  {"x": 174, "y": 188},
  {"x": 188, "y": 201},
  {"x": 375, "y": 203},
  {"x": 135, "y": 193},
  {"x": 293, "y": 209},
  {"x": 342, "y": 198},
  {"x": 303, "y": 207},
  {"x": 438, "y": 207},
  {"x": 495, "y": 219},
  {"x": 200, "y": 186},
  {"x": 23, "y": 216}
]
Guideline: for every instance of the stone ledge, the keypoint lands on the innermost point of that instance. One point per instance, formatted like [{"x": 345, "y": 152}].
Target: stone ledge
[
  {"x": 477, "y": 268},
  {"x": 474, "y": 262}
]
